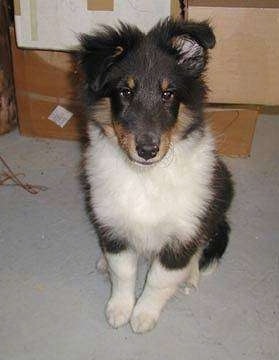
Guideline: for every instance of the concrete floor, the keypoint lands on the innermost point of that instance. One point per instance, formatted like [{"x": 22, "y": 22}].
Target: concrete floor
[{"x": 52, "y": 299}]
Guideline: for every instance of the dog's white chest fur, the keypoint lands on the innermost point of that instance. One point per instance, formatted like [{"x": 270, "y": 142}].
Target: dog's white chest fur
[{"x": 150, "y": 205}]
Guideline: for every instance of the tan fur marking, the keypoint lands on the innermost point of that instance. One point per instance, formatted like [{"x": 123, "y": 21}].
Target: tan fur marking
[
  {"x": 125, "y": 139},
  {"x": 109, "y": 131},
  {"x": 118, "y": 50},
  {"x": 131, "y": 82},
  {"x": 165, "y": 84},
  {"x": 127, "y": 142},
  {"x": 102, "y": 112},
  {"x": 184, "y": 119},
  {"x": 112, "y": 129},
  {"x": 102, "y": 115},
  {"x": 164, "y": 145}
]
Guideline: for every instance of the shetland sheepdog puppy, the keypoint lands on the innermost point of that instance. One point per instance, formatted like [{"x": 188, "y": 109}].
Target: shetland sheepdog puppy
[{"x": 157, "y": 186}]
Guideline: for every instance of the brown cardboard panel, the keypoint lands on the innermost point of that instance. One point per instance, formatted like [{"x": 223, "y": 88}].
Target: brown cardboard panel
[
  {"x": 33, "y": 118},
  {"x": 43, "y": 72},
  {"x": 233, "y": 130},
  {"x": 236, "y": 3},
  {"x": 43, "y": 80},
  {"x": 244, "y": 65},
  {"x": 100, "y": 5}
]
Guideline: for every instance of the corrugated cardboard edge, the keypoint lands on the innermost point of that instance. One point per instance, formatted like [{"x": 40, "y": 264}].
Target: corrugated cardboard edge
[
  {"x": 100, "y": 5},
  {"x": 17, "y": 9}
]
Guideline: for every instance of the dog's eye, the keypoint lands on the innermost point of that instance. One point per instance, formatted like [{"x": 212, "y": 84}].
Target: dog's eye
[
  {"x": 125, "y": 92},
  {"x": 167, "y": 95}
]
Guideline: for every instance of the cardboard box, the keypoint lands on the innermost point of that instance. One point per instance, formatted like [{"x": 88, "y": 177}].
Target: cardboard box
[
  {"x": 43, "y": 80},
  {"x": 244, "y": 66},
  {"x": 55, "y": 24},
  {"x": 233, "y": 129}
]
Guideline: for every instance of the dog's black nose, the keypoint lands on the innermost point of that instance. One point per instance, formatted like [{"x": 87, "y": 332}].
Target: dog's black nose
[{"x": 147, "y": 151}]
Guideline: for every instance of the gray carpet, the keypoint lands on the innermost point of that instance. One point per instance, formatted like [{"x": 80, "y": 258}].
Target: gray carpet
[{"x": 52, "y": 299}]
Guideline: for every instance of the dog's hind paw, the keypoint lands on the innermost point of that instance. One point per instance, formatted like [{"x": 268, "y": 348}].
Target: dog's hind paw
[{"x": 119, "y": 311}]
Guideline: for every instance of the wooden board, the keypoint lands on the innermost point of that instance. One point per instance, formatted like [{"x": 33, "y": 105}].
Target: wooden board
[{"x": 7, "y": 97}]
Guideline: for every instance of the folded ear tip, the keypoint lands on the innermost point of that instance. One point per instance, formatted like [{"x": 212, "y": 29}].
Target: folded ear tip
[
  {"x": 201, "y": 31},
  {"x": 211, "y": 40}
]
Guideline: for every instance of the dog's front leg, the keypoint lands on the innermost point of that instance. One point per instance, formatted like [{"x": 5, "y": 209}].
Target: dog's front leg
[
  {"x": 122, "y": 269},
  {"x": 162, "y": 282}
]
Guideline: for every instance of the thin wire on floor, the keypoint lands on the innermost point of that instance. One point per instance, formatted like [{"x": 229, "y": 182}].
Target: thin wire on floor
[{"x": 10, "y": 175}]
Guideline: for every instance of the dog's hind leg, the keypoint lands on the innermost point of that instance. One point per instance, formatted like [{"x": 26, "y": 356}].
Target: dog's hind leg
[{"x": 215, "y": 248}]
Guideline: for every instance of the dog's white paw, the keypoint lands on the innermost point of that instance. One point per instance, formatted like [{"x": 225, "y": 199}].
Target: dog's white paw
[
  {"x": 118, "y": 311},
  {"x": 143, "y": 322},
  {"x": 143, "y": 319}
]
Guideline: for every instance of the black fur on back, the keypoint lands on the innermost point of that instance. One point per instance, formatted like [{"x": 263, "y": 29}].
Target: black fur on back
[
  {"x": 213, "y": 234},
  {"x": 214, "y": 225}
]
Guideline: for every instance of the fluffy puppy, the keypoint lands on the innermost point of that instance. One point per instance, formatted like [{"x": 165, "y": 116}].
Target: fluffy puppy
[{"x": 157, "y": 187}]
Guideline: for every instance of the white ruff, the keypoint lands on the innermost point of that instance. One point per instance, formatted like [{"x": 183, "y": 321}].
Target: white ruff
[{"x": 151, "y": 204}]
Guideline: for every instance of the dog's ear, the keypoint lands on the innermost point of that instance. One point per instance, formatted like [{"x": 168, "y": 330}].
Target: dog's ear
[
  {"x": 100, "y": 51},
  {"x": 187, "y": 41}
]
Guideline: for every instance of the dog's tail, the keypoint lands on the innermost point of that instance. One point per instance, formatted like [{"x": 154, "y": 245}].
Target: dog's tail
[{"x": 215, "y": 248}]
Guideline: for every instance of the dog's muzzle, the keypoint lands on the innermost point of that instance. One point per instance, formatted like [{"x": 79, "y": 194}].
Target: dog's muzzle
[{"x": 147, "y": 146}]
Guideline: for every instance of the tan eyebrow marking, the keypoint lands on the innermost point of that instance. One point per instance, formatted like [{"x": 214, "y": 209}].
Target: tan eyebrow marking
[
  {"x": 165, "y": 84},
  {"x": 131, "y": 82},
  {"x": 118, "y": 50}
]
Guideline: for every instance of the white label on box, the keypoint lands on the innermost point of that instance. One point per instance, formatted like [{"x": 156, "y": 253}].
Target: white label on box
[{"x": 60, "y": 116}]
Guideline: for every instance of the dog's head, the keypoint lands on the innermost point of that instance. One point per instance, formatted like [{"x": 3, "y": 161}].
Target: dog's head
[{"x": 153, "y": 82}]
